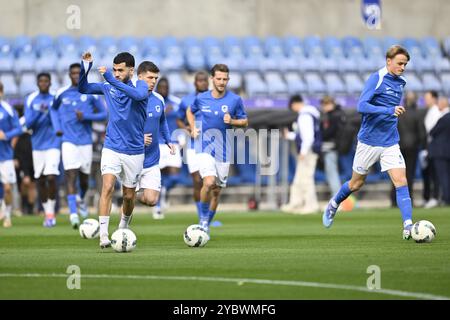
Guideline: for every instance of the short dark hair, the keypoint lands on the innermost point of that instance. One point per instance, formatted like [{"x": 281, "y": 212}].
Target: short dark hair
[
  {"x": 219, "y": 67},
  {"x": 163, "y": 79},
  {"x": 147, "y": 66},
  {"x": 200, "y": 73},
  {"x": 124, "y": 57},
  {"x": 434, "y": 94},
  {"x": 74, "y": 65},
  {"x": 296, "y": 98},
  {"x": 44, "y": 74},
  {"x": 396, "y": 50}
]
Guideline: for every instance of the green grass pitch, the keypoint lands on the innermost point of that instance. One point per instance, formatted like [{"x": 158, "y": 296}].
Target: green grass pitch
[{"x": 292, "y": 257}]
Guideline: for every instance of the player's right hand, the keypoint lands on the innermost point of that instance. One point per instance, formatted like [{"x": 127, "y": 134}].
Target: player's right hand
[
  {"x": 87, "y": 56},
  {"x": 148, "y": 139},
  {"x": 195, "y": 132},
  {"x": 399, "y": 110}
]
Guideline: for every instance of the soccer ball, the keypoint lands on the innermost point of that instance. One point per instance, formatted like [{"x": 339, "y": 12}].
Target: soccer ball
[
  {"x": 195, "y": 236},
  {"x": 423, "y": 231},
  {"x": 123, "y": 240},
  {"x": 89, "y": 229}
]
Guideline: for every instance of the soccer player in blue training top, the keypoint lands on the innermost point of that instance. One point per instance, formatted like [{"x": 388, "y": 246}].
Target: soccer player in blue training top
[
  {"x": 45, "y": 143},
  {"x": 201, "y": 85},
  {"x": 149, "y": 185},
  {"x": 170, "y": 164},
  {"x": 9, "y": 128},
  {"x": 123, "y": 151},
  {"x": 220, "y": 110},
  {"x": 72, "y": 116},
  {"x": 378, "y": 136}
]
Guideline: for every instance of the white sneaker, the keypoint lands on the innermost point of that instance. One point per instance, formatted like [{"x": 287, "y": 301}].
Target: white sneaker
[
  {"x": 104, "y": 241},
  {"x": 74, "y": 221},
  {"x": 158, "y": 214},
  {"x": 432, "y": 203},
  {"x": 7, "y": 223}
]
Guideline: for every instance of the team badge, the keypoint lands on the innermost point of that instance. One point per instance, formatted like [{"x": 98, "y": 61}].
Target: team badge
[
  {"x": 224, "y": 108},
  {"x": 158, "y": 108},
  {"x": 83, "y": 97}
]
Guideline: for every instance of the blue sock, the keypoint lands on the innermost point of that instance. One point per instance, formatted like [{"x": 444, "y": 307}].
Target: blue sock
[
  {"x": 211, "y": 215},
  {"x": 342, "y": 194},
  {"x": 404, "y": 204},
  {"x": 72, "y": 202},
  {"x": 82, "y": 194},
  {"x": 1, "y": 191},
  {"x": 204, "y": 216},
  {"x": 198, "y": 204}
]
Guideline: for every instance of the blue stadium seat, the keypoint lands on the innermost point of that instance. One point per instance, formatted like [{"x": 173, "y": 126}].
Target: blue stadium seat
[
  {"x": 388, "y": 42},
  {"x": 446, "y": 45},
  {"x": 69, "y": 57},
  {"x": 353, "y": 83},
  {"x": 330, "y": 63},
  {"x": 130, "y": 44},
  {"x": 445, "y": 80},
  {"x": 313, "y": 46},
  {"x": 276, "y": 84},
  {"x": 65, "y": 43},
  {"x": 294, "y": 82},
  {"x": 9, "y": 84},
  {"x": 352, "y": 46},
  {"x": 27, "y": 83},
  {"x": 43, "y": 43},
  {"x": 255, "y": 85},
  {"x": 431, "y": 82},
  {"x": 87, "y": 43},
  {"x": 193, "y": 50},
  {"x": 22, "y": 44},
  {"x": 6, "y": 59},
  {"x": 235, "y": 82},
  {"x": 334, "y": 83},
  {"x": 441, "y": 64},
  {"x": 314, "y": 83},
  {"x": 413, "y": 81},
  {"x": 107, "y": 46},
  {"x": 25, "y": 62},
  {"x": 46, "y": 60},
  {"x": 350, "y": 63},
  {"x": 293, "y": 47},
  {"x": 178, "y": 86},
  {"x": 372, "y": 46},
  {"x": 333, "y": 47},
  {"x": 430, "y": 47},
  {"x": 173, "y": 57}
]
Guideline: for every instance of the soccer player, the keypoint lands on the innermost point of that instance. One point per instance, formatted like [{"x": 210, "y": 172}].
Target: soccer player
[
  {"x": 378, "y": 136},
  {"x": 45, "y": 144},
  {"x": 123, "y": 152},
  {"x": 170, "y": 164},
  {"x": 201, "y": 85},
  {"x": 149, "y": 185},
  {"x": 220, "y": 110},
  {"x": 9, "y": 128},
  {"x": 73, "y": 114}
]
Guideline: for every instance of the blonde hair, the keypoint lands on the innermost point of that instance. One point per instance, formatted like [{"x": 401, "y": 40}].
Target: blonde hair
[{"x": 396, "y": 50}]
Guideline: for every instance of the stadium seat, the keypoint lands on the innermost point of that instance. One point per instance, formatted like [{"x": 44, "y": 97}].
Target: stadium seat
[
  {"x": 178, "y": 86},
  {"x": 314, "y": 83},
  {"x": 9, "y": 84},
  {"x": 22, "y": 44},
  {"x": 295, "y": 84},
  {"x": 446, "y": 45},
  {"x": 431, "y": 82},
  {"x": 66, "y": 43},
  {"x": 313, "y": 46},
  {"x": 129, "y": 44},
  {"x": 87, "y": 43},
  {"x": 7, "y": 62},
  {"x": 25, "y": 62},
  {"x": 43, "y": 43},
  {"x": 333, "y": 47},
  {"x": 353, "y": 83},
  {"x": 293, "y": 47},
  {"x": 193, "y": 50},
  {"x": 430, "y": 47},
  {"x": 441, "y": 64},
  {"x": 276, "y": 84},
  {"x": 235, "y": 82},
  {"x": 334, "y": 83},
  {"x": 445, "y": 79},
  {"x": 413, "y": 82},
  {"x": 107, "y": 45},
  {"x": 255, "y": 85},
  {"x": 372, "y": 47},
  {"x": 27, "y": 83}
]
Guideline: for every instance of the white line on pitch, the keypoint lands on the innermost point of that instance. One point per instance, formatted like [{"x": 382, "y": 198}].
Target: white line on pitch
[{"x": 240, "y": 281}]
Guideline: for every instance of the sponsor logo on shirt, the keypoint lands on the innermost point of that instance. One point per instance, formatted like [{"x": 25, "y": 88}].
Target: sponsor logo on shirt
[{"x": 206, "y": 109}]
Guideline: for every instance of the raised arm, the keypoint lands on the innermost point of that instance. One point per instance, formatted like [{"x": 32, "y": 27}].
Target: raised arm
[
  {"x": 83, "y": 85},
  {"x": 364, "y": 105},
  {"x": 17, "y": 128},
  {"x": 139, "y": 93}
]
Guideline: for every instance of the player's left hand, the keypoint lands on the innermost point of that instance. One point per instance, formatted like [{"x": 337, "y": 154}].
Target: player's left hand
[
  {"x": 227, "y": 118},
  {"x": 2, "y": 135},
  {"x": 102, "y": 70},
  {"x": 79, "y": 115},
  {"x": 399, "y": 110},
  {"x": 172, "y": 148},
  {"x": 148, "y": 139}
]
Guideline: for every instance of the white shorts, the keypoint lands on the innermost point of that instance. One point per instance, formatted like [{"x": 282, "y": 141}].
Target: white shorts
[
  {"x": 7, "y": 172},
  {"x": 46, "y": 162},
  {"x": 169, "y": 160},
  {"x": 192, "y": 160},
  {"x": 77, "y": 157},
  {"x": 366, "y": 156},
  {"x": 150, "y": 178},
  {"x": 211, "y": 167},
  {"x": 125, "y": 167}
]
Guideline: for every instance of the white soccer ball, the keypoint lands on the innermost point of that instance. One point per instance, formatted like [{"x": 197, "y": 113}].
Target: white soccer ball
[
  {"x": 423, "y": 231},
  {"x": 89, "y": 229},
  {"x": 195, "y": 236},
  {"x": 123, "y": 240}
]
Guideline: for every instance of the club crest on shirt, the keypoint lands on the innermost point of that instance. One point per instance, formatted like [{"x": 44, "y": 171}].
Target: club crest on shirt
[
  {"x": 83, "y": 98},
  {"x": 158, "y": 108},
  {"x": 224, "y": 108}
]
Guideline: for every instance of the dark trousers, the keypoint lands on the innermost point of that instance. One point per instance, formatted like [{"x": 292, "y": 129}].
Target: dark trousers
[
  {"x": 430, "y": 181},
  {"x": 442, "y": 167},
  {"x": 410, "y": 156}
]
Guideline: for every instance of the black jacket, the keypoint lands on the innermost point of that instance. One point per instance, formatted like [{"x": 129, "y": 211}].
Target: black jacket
[
  {"x": 440, "y": 144},
  {"x": 411, "y": 129}
]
